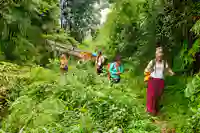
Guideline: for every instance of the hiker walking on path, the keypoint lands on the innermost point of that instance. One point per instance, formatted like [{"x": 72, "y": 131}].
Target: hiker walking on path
[
  {"x": 63, "y": 64},
  {"x": 115, "y": 70},
  {"x": 63, "y": 68},
  {"x": 99, "y": 63},
  {"x": 155, "y": 73}
]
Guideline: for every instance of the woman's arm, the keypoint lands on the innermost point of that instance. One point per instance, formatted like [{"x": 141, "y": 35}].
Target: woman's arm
[
  {"x": 171, "y": 72},
  {"x": 96, "y": 60},
  {"x": 169, "y": 69},
  {"x": 149, "y": 67},
  {"x": 121, "y": 68},
  {"x": 103, "y": 59}
]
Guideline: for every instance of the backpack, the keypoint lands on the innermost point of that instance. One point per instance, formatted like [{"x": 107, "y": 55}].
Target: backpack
[
  {"x": 108, "y": 67},
  {"x": 147, "y": 74}
]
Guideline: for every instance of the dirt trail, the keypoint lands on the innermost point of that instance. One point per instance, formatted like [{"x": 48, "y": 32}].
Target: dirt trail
[{"x": 164, "y": 126}]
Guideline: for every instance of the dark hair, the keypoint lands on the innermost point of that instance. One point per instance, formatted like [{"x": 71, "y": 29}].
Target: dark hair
[
  {"x": 117, "y": 58},
  {"x": 158, "y": 44},
  {"x": 99, "y": 52}
]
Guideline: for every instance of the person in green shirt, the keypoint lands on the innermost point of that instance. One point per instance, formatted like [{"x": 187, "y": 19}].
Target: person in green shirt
[{"x": 116, "y": 69}]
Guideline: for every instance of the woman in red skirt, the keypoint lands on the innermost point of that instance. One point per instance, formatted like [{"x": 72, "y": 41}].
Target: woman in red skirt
[{"x": 156, "y": 68}]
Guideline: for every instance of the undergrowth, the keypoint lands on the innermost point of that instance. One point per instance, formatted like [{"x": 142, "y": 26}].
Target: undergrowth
[{"x": 86, "y": 103}]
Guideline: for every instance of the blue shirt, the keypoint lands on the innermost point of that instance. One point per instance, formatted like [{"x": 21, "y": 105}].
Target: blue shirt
[
  {"x": 94, "y": 54},
  {"x": 113, "y": 70}
]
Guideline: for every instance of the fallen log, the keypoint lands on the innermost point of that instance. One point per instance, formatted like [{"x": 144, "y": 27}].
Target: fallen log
[
  {"x": 82, "y": 54},
  {"x": 62, "y": 48}
]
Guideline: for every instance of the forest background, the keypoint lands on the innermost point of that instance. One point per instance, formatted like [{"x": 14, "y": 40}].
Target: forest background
[{"x": 33, "y": 100}]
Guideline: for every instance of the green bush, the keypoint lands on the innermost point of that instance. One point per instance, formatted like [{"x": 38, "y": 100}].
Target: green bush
[
  {"x": 86, "y": 103},
  {"x": 192, "y": 92}
]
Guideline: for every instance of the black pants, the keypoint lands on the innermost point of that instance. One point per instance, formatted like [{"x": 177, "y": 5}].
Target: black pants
[
  {"x": 99, "y": 69},
  {"x": 115, "y": 80}
]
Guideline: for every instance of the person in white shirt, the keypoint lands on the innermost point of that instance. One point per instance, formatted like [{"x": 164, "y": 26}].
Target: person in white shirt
[
  {"x": 99, "y": 63},
  {"x": 156, "y": 68}
]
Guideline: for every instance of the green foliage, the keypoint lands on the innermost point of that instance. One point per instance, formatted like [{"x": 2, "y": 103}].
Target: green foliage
[
  {"x": 37, "y": 102},
  {"x": 192, "y": 92},
  {"x": 61, "y": 37},
  {"x": 10, "y": 73},
  {"x": 22, "y": 25},
  {"x": 85, "y": 104},
  {"x": 81, "y": 16},
  {"x": 127, "y": 30},
  {"x": 133, "y": 28},
  {"x": 196, "y": 27}
]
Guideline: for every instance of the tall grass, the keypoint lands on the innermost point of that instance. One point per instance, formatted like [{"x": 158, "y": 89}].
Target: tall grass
[{"x": 87, "y": 103}]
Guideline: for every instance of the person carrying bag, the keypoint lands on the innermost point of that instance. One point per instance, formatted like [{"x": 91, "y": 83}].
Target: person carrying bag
[{"x": 155, "y": 81}]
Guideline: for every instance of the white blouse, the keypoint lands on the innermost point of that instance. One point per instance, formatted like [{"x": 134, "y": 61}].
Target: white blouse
[
  {"x": 100, "y": 61},
  {"x": 158, "y": 69}
]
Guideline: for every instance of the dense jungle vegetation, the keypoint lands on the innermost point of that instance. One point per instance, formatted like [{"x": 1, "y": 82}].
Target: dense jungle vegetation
[{"x": 34, "y": 101}]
